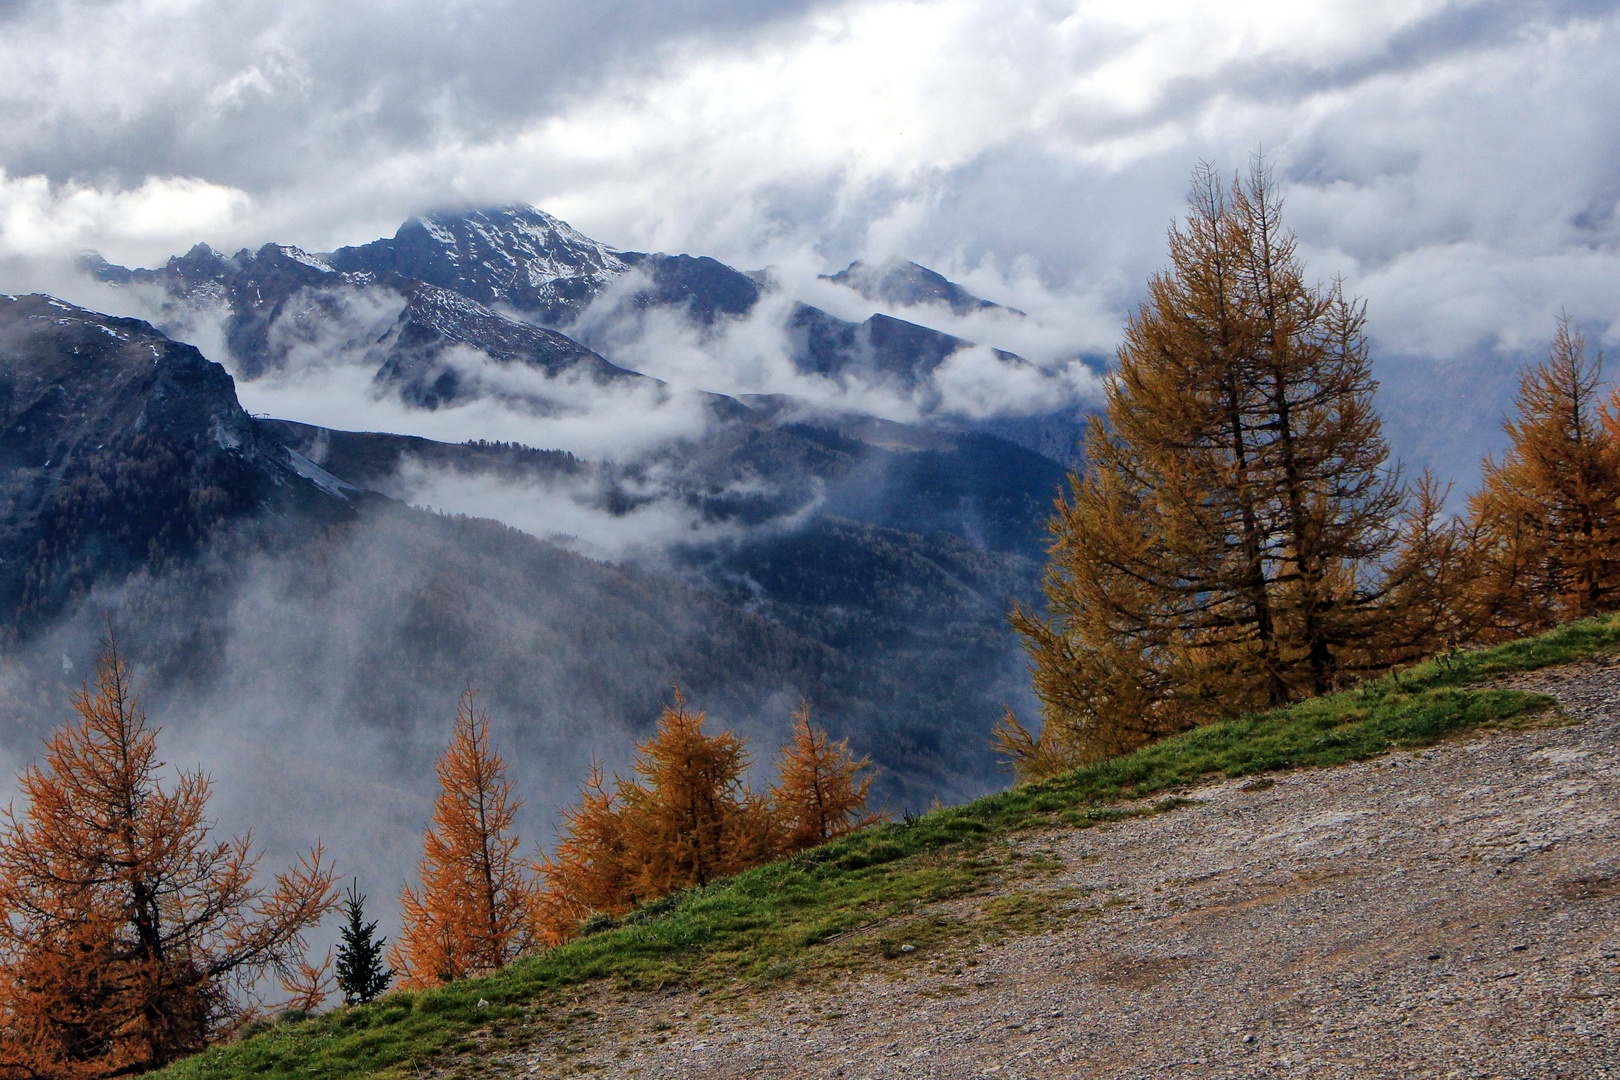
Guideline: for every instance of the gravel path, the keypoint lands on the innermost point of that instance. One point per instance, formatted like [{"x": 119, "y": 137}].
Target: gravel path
[{"x": 1452, "y": 912}]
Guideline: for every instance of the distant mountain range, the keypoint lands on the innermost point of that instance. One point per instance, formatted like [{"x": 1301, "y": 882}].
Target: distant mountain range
[
  {"x": 274, "y": 575},
  {"x": 506, "y": 281}
]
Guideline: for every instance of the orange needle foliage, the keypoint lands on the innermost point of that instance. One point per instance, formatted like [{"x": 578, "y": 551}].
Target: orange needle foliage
[
  {"x": 688, "y": 818},
  {"x": 692, "y": 819},
  {"x": 1548, "y": 516},
  {"x": 819, "y": 792},
  {"x": 471, "y": 914},
  {"x": 591, "y": 870},
  {"x": 128, "y": 937}
]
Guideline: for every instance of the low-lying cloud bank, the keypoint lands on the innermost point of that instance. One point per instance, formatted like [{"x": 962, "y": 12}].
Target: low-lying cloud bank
[
  {"x": 755, "y": 354},
  {"x": 316, "y": 683}
]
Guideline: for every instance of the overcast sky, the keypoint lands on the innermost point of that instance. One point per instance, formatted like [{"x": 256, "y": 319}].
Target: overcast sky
[{"x": 1455, "y": 162}]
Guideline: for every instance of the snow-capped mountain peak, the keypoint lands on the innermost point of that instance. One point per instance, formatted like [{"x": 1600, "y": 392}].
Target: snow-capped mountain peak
[{"x": 515, "y": 255}]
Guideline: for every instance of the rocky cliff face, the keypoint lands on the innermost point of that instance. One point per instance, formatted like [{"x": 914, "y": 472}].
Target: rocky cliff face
[{"x": 120, "y": 448}]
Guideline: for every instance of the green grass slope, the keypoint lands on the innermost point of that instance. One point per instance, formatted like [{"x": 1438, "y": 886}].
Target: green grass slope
[{"x": 825, "y": 910}]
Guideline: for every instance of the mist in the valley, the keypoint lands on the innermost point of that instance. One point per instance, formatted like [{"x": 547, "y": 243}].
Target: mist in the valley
[{"x": 316, "y": 679}]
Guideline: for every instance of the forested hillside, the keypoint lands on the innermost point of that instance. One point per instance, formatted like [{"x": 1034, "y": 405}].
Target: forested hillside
[{"x": 259, "y": 577}]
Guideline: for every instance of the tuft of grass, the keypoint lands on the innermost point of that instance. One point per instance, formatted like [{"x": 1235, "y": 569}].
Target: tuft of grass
[
  {"x": 1026, "y": 912},
  {"x": 1573, "y": 641},
  {"x": 855, "y": 902}
]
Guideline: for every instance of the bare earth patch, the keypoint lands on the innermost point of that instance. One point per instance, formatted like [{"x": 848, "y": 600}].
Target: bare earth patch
[{"x": 1451, "y": 912}]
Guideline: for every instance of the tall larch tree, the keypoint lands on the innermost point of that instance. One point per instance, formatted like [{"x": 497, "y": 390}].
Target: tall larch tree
[
  {"x": 820, "y": 791},
  {"x": 1548, "y": 514},
  {"x": 470, "y": 912},
  {"x": 1219, "y": 550},
  {"x": 129, "y": 936},
  {"x": 691, "y": 819}
]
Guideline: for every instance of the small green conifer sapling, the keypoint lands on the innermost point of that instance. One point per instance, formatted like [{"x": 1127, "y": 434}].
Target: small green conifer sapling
[{"x": 360, "y": 971}]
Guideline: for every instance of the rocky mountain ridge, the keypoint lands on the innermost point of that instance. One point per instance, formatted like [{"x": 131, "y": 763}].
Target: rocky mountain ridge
[
  {"x": 516, "y": 256},
  {"x": 120, "y": 448},
  {"x": 524, "y": 280},
  {"x": 280, "y": 300}
]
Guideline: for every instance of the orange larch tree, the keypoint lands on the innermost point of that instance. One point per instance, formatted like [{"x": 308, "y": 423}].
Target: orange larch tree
[
  {"x": 1222, "y": 550},
  {"x": 820, "y": 792},
  {"x": 591, "y": 870},
  {"x": 691, "y": 819},
  {"x": 1548, "y": 515},
  {"x": 130, "y": 938},
  {"x": 687, "y": 817},
  {"x": 471, "y": 913}
]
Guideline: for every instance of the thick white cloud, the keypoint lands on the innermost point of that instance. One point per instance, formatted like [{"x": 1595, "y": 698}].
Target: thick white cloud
[
  {"x": 1451, "y": 159},
  {"x": 39, "y": 218}
]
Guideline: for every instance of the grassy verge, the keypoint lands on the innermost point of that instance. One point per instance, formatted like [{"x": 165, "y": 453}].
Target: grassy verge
[{"x": 828, "y": 909}]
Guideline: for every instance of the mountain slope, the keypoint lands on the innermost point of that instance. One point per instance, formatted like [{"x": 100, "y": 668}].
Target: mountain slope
[
  {"x": 516, "y": 256},
  {"x": 1424, "y": 899},
  {"x": 906, "y": 284},
  {"x": 121, "y": 449},
  {"x": 418, "y": 353}
]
